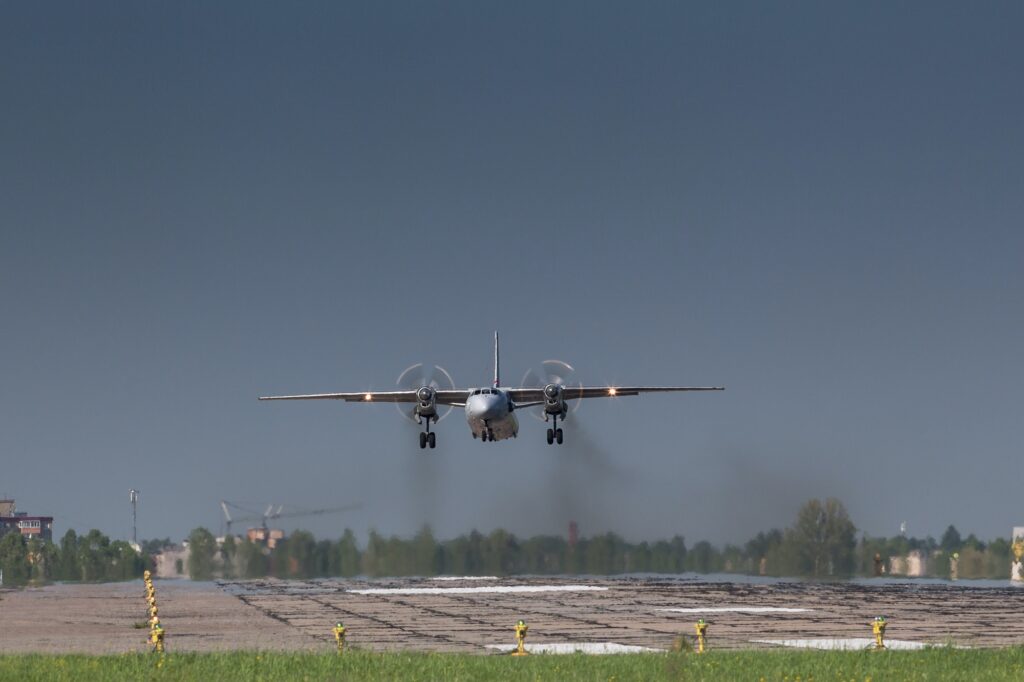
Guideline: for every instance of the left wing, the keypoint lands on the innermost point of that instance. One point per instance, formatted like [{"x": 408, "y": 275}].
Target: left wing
[
  {"x": 535, "y": 395},
  {"x": 456, "y": 397}
]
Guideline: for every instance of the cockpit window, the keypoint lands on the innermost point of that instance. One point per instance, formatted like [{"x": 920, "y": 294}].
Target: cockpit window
[{"x": 476, "y": 392}]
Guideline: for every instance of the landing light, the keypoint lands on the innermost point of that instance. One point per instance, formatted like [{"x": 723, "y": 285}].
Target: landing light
[
  {"x": 612, "y": 391},
  {"x": 368, "y": 397}
]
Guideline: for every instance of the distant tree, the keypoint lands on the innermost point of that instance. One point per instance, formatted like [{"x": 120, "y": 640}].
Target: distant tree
[
  {"x": 1000, "y": 549},
  {"x": 733, "y": 559},
  {"x": 426, "y": 558},
  {"x": 823, "y": 539},
  {"x": 155, "y": 545},
  {"x": 68, "y": 557},
  {"x": 14, "y": 558},
  {"x": 974, "y": 543},
  {"x": 228, "y": 550},
  {"x": 372, "y": 560},
  {"x": 475, "y": 553},
  {"x": 43, "y": 559},
  {"x": 94, "y": 556},
  {"x": 679, "y": 552},
  {"x": 762, "y": 543},
  {"x": 125, "y": 562},
  {"x": 605, "y": 554},
  {"x": 500, "y": 553},
  {"x": 972, "y": 562},
  {"x": 997, "y": 558},
  {"x": 951, "y": 541},
  {"x": 702, "y": 558},
  {"x": 250, "y": 559},
  {"x": 202, "y": 547},
  {"x": 325, "y": 559},
  {"x": 543, "y": 554},
  {"x": 300, "y": 551},
  {"x": 348, "y": 555}
]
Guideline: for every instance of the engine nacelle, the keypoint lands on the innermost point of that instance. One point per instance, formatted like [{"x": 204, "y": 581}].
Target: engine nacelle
[
  {"x": 554, "y": 400},
  {"x": 426, "y": 402}
]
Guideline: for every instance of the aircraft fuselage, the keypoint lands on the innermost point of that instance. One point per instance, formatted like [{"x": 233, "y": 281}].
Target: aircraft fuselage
[{"x": 490, "y": 414}]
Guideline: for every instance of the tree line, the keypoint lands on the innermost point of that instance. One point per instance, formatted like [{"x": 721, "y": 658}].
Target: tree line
[
  {"x": 822, "y": 542},
  {"x": 92, "y": 557}
]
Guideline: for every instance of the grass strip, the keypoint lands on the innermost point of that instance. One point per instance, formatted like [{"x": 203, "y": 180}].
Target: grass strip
[{"x": 771, "y": 665}]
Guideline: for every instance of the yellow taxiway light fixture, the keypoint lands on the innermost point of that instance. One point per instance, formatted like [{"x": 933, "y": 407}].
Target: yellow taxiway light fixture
[
  {"x": 702, "y": 635},
  {"x": 878, "y": 630},
  {"x": 339, "y": 636},
  {"x": 156, "y": 638},
  {"x": 521, "y": 628}
]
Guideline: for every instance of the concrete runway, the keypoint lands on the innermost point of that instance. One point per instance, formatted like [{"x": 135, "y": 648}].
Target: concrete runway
[{"x": 467, "y": 616}]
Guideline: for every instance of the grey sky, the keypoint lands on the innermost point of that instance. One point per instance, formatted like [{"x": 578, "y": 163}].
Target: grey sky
[{"x": 815, "y": 204}]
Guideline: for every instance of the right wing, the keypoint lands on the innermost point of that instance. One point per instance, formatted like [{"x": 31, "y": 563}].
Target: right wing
[
  {"x": 533, "y": 396},
  {"x": 455, "y": 397}
]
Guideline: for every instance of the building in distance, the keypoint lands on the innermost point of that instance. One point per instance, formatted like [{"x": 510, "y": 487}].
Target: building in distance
[{"x": 40, "y": 527}]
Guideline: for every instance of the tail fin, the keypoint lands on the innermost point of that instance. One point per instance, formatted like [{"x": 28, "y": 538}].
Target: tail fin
[{"x": 497, "y": 372}]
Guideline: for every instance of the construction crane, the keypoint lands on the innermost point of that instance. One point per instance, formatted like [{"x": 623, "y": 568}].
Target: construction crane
[{"x": 272, "y": 511}]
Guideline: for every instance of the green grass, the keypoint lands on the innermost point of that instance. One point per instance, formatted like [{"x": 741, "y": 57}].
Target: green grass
[{"x": 786, "y": 666}]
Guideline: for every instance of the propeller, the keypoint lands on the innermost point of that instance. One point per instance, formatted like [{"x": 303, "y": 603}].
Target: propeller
[
  {"x": 554, "y": 372},
  {"x": 424, "y": 379}
]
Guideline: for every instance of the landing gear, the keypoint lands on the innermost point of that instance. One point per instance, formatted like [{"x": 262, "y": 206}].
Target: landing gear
[
  {"x": 428, "y": 437},
  {"x": 555, "y": 433}
]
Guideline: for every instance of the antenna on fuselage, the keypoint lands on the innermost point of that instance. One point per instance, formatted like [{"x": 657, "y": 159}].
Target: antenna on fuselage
[{"x": 497, "y": 373}]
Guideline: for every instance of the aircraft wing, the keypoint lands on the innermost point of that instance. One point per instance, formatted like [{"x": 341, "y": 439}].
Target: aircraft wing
[
  {"x": 450, "y": 397},
  {"x": 533, "y": 395}
]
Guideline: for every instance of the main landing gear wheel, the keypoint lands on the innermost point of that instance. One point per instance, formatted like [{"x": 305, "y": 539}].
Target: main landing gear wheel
[
  {"x": 555, "y": 433},
  {"x": 428, "y": 437}
]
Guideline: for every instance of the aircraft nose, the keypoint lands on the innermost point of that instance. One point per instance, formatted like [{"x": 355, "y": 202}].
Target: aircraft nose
[
  {"x": 492, "y": 410},
  {"x": 486, "y": 407}
]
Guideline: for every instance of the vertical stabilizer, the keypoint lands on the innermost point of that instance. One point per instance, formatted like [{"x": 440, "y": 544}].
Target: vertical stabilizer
[{"x": 497, "y": 372}]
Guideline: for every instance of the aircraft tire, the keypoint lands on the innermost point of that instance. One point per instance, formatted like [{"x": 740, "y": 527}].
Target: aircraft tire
[
  {"x": 551, "y": 436},
  {"x": 558, "y": 436},
  {"x": 423, "y": 440},
  {"x": 432, "y": 440}
]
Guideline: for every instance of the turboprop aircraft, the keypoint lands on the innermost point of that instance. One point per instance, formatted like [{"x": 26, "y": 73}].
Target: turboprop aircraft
[{"x": 490, "y": 411}]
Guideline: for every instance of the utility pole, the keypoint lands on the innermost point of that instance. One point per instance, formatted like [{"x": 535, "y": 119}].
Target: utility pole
[{"x": 133, "y": 497}]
